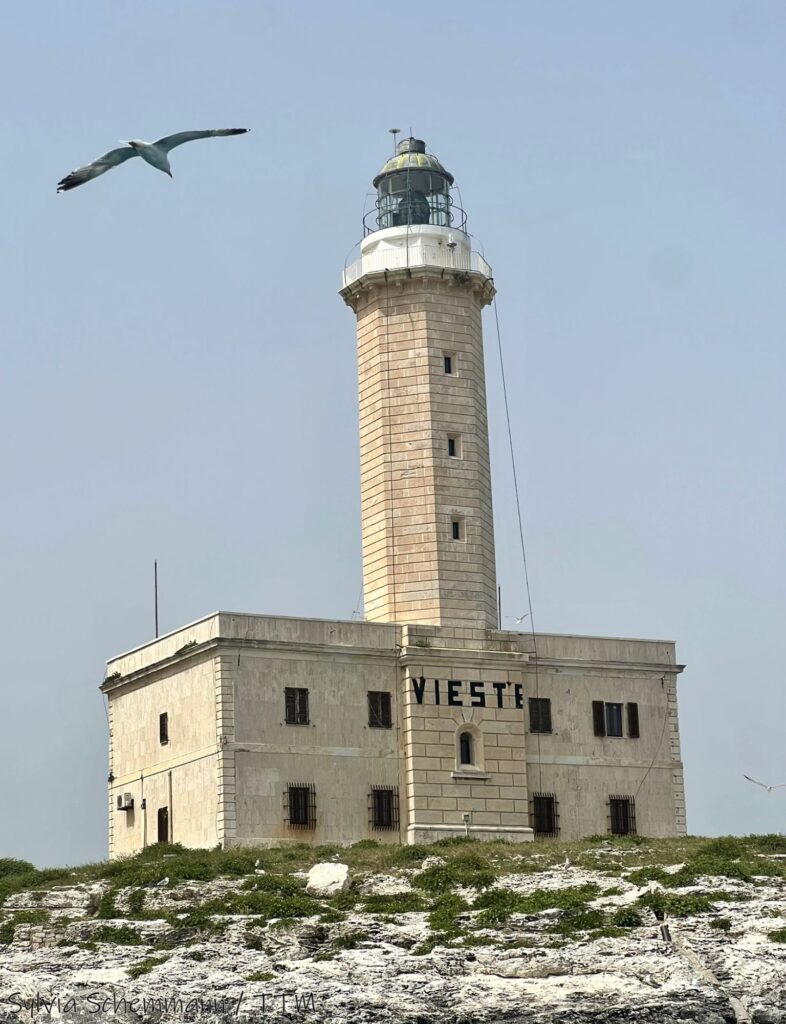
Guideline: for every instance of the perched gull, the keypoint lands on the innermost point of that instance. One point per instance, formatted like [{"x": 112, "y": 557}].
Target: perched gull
[
  {"x": 780, "y": 785},
  {"x": 155, "y": 153}
]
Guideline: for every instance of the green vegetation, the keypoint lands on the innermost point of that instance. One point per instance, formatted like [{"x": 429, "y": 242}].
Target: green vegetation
[
  {"x": 497, "y": 905},
  {"x": 260, "y": 976},
  {"x": 468, "y": 868},
  {"x": 445, "y": 911},
  {"x": 399, "y": 903},
  {"x": 122, "y": 936},
  {"x": 721, "y": 924},
  {"x": 21, "y": 917},
  {"x": 779, "y": 935},
  {"x": 146, "y": 966}
]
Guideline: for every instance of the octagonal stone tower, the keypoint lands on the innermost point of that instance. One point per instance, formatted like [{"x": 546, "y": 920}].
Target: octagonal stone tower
[{"x": 418, "y": 289}]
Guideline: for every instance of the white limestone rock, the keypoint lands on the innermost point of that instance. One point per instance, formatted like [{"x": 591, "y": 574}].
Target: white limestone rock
[{"x": 327, "y": 879}]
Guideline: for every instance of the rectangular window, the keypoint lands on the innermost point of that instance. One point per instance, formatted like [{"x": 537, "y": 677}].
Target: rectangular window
[
  {"x": 453, "y": 448},
  {"x": 456, "y": 532},
  {"x": 163, "y": 728},
  {"x": 633, "y": 721},
  {"x": 606, "y": 718},
  {"x": 379, "y": 710},
  {"x": 296, "y": 706},
  {"x": 300, "y": 805},
  {"x": 384, "y": 807},
  {"x": 447, "y": 362},
  {"x": 622, "y": 816},
  {"x": 540, "y": 714},
  {"x": 163, "y": 824},
  {"x": 613, "y": 719},
  {"x": 543, "y": 816}
]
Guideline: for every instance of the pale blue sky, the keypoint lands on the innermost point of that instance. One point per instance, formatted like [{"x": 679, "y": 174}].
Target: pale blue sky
[{"x": 178, "y": 371}]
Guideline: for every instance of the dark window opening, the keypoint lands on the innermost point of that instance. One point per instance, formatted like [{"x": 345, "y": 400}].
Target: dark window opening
[
  {"x": 379, "y": 710},
  {"x": 633, "y": 721},
  {"x": 456, "y": 529},
  {"x": 163, "y": 824},
  {"x": 452, "y": 447},
  {"x": 384, "y": 807},
  {"x": 622, "y": 816},
  {"x": 539, "y": 714},
  {"x": 544, "y": 817},
  {"x": 448, "y": 363},
  {"x": 465, "y": 748},
  {"x": 301, "y": 806},
  {"x": 613, "y": 719},
  {"x": 163, "y": 728},
  {"x": 296, "y": 706}
]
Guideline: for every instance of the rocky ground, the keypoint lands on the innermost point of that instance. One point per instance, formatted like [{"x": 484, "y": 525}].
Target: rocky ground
[{"x": 462, "y": 933}]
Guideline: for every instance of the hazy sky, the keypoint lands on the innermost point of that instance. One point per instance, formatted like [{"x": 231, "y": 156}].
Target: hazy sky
[{"x": 178, "y": 372}]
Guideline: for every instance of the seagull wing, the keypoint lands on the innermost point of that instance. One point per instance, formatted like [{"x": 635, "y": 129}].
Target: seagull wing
[
  {"x": 780, "y": 785},
  {"x": 170, "y": 141},
  {"x": 100, "y": 166}
]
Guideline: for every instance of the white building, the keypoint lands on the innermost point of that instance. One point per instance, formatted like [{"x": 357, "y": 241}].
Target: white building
[{"x": 424, "y": 720}]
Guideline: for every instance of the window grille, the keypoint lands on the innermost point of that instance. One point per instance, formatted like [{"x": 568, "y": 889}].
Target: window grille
[
  {"x": 296, "y": 706},
  {"x": 383, "y": 808},
  {"x": 622, "y": 816},
  {"x": 163, "y": 728},
  {"x": 300, "y": 805},
  {"x": 544, "y": 815},
  {"x": 539, "y": 714},
  {"x": 379, "y": 710}
]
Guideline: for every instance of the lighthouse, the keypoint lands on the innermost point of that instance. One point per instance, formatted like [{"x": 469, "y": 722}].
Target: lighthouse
[{"x": 418, "y": 290}]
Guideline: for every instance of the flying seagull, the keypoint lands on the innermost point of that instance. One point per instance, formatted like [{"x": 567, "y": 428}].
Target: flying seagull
[
  {"x": 155, "y": 153},
  {"x": 780, "y": 785}
]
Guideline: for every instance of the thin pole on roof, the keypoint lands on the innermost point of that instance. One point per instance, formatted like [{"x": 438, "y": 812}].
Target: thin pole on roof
[{"x": 155, "y": 593}]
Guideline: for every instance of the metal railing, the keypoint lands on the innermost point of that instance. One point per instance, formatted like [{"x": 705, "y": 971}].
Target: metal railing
[{"x": 416, "y": 255}]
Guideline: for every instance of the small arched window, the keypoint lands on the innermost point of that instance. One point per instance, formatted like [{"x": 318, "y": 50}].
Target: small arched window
[{"x": 465, "y": 748}]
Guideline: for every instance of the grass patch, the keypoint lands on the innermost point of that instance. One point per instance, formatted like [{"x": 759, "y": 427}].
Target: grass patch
[
  {"x": 402, "y": 903},
  {"x": 445, "y": 911},
  {"x": 349, "y": 940},
  {"x": 468, "y": 869},
  {"x": 106, "y": 906},
  {"x": 21, "y": 917},
  {"x": 146, "y": 966},
  {"x": 721, "y": 924},
  {"x": 626, "y": 917},
  {"x": 261, "y": 976},
  {"x": 497, "y": 905},
  {"x": 677, "y": 904},
  {"x": 579, "y": 918},
  {"x": 136, "y": 902},
  {"x": 121, "y": 936},
  {"x": 779, "y": 935}
]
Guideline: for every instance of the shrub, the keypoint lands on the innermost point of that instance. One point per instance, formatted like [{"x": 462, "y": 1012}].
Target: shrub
[
  {"x": 122, "y": 936},
  {"x": 626, "y": 917},
  {"x": 394, "y": 903},
  {"x": 779, "y": 935},
  {"x": 260, "y": 976},
  {"x": 578, "y": 918},
  {"x": 349, "y": 940},
  {"x": 445, "y": 912},
  {"x": 677, "y": 904},
  {"x": 11, "y": 866},
  {"x": 721, "y": 924},
  {"x": 498, "y": 904},
  {"x": 146, "y": 966},
  {"x": 468, "y": 869}
]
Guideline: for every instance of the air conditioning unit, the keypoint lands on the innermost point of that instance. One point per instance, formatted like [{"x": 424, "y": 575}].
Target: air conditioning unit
[{"x": 125, "y": 802}]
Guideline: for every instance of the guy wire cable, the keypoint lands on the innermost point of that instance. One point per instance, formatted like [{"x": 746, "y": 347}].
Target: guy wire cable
[{"x": 520, "y": 522}]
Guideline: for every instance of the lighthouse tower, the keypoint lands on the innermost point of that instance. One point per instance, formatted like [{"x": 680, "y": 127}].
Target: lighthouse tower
[{"x": 418, "y": 289}]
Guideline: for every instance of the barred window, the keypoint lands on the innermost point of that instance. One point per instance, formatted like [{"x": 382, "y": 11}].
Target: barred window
[
  {"x": 163, "y": 728},
  {"x": 540, "y": 714},
  {"x": 384, "y": 807},
  {"x": 544, "y": 817},
  {"x": 379, "y": 710},
  {"x": 300, "y": 805},
  {"x": 296, "y": 706},
  {"x": 622, "y": 816}
]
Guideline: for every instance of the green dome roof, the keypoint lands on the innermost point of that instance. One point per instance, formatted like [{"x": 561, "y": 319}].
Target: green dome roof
[{"x": 411, "y": 155}]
